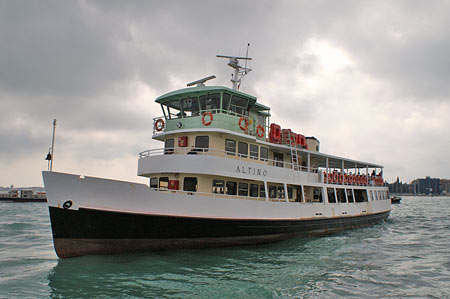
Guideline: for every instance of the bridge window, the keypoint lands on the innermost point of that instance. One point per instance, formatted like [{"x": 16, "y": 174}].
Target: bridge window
[
  {"x": 173, "y": 109},
  {"x": 190, "y": 107},
  {"x": 210, "y": 102},
  {"x": 226, "y": 102},
  {"x": 239, "y": 105}
]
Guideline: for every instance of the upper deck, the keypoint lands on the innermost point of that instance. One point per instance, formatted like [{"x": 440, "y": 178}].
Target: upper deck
[{"x": 211, "y": 107}]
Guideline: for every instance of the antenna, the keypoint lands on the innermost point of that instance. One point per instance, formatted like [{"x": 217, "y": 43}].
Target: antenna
[
  {"x": 201, "y": 82},
  {"x": 239, "y": 71}
]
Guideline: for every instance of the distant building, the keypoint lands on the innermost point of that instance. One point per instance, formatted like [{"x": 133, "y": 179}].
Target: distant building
[
  {"x": 428, "y": 186},
  {"x": 445, "y": 186},
  {"x": 399, "y": 187}
]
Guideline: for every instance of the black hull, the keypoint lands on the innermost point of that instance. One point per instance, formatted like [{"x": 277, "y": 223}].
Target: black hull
[{"x": 89, "y": 231}]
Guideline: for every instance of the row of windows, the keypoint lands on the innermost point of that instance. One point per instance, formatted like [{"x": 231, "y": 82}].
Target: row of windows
[
  {"x": 193, "y": 106},
  {"x": 275, "y": 191},
  {"x": 256, "y": 152},
  {"x": 201, "y": 144}
]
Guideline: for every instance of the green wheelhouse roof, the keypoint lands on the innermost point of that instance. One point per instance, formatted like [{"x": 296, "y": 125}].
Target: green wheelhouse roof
[{"x": 201, "y": 90}]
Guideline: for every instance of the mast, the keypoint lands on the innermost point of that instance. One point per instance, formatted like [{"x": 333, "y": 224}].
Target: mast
[{"x": 239, "y": 71}]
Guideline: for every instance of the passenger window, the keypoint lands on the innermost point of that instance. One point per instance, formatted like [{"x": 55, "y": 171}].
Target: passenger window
[
  {"x": 299, "y": 194},
  {"x": 163, "y": 183},
  {"x": 280, "y": 192},
  {"x": 262, "y": 191},
  {"x": 341, "y": 195},
  {"x": 154, "y": 182},
  {"x": 190, "y": 184},
  {"x": 317, "y": 195},
  {"x": 350, "y": 195},
  {"x": 168, "y": 146},
  {"x": 278, "y": 157},
  {"x": 331, "y": 196},
  {"x": 242, "y": 149},
  {"x": 264, "y": 153},
  {"x": 254, "y": 151},
  {"x": 289, "y": 188},
  {"x": 231, "y": 188},
  {"x": 218, "y": 186},
  {"x": 254, "y": 190},
  {"x": 272, "y": 191},
  {"x": 243, "y": 189},
  {"x": 230, "y": 147},
  {"x": 202, "y": 143},
  {"x": 371, "y": 195}
]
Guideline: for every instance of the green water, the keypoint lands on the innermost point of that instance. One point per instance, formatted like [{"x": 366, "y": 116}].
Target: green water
[{"x": 406, "y": 256}]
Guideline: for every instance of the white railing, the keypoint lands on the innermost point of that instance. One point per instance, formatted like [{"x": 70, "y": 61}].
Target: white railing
[
  {"x": 222, "y": 153},
  {"x": 221, "y": 195}
]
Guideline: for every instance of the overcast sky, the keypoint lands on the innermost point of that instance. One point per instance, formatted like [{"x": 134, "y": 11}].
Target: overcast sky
[{"x": 369, "y": 79}]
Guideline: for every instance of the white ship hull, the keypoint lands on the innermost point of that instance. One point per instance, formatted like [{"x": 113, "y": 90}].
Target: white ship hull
[{"x": 97, "y": 216}]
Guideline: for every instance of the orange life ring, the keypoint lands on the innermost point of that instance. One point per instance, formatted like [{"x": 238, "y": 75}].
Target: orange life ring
[
  {"x": 330, "y": 177},
  {"x": 341, "y": 178},
  {"x": 210, "y": 118},
  {"x": 159, "y": 125},
  {"x": 324, "y": 177},
  {"x": 335, "y": 177},
  {"x": 246, "y": 123},
  {"x": 259, "y": 131}
]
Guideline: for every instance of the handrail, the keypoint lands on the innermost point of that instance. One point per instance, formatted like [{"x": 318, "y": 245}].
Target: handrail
[
  {"x": 216, "y": 111},
  {"x": 221, "y": 153},
  {"x": 222, "y": 195}
]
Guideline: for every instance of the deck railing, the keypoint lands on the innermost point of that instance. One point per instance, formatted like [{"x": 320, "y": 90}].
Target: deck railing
[{"x": 224, "y": 154}]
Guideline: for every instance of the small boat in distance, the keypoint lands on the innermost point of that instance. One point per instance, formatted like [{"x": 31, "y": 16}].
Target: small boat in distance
[
  {"x": 395, "y": 199},
  {"x": 224, "y": 175}
]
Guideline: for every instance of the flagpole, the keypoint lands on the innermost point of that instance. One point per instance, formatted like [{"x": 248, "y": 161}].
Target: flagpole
[{"x": 53, "y": 144}]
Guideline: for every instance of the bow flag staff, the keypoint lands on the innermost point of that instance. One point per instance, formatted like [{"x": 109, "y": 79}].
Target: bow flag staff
[{"x": 49, "y": 157}]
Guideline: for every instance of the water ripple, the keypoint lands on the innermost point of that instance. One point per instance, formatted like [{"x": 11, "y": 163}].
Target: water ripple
[{"x": 406, "y": 256}]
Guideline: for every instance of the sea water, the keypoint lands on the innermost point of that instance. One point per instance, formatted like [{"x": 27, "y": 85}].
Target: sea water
[{"x": 406, "y": 256}]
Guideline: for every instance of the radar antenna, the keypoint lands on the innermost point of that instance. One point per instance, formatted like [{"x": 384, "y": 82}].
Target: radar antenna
[
  {"x": 201, "y": 82},
  {"x": 239, "y": 71}
]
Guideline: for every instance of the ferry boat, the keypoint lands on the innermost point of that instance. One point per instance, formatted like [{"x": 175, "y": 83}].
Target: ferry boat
[{"x": 224, "y": 175}]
